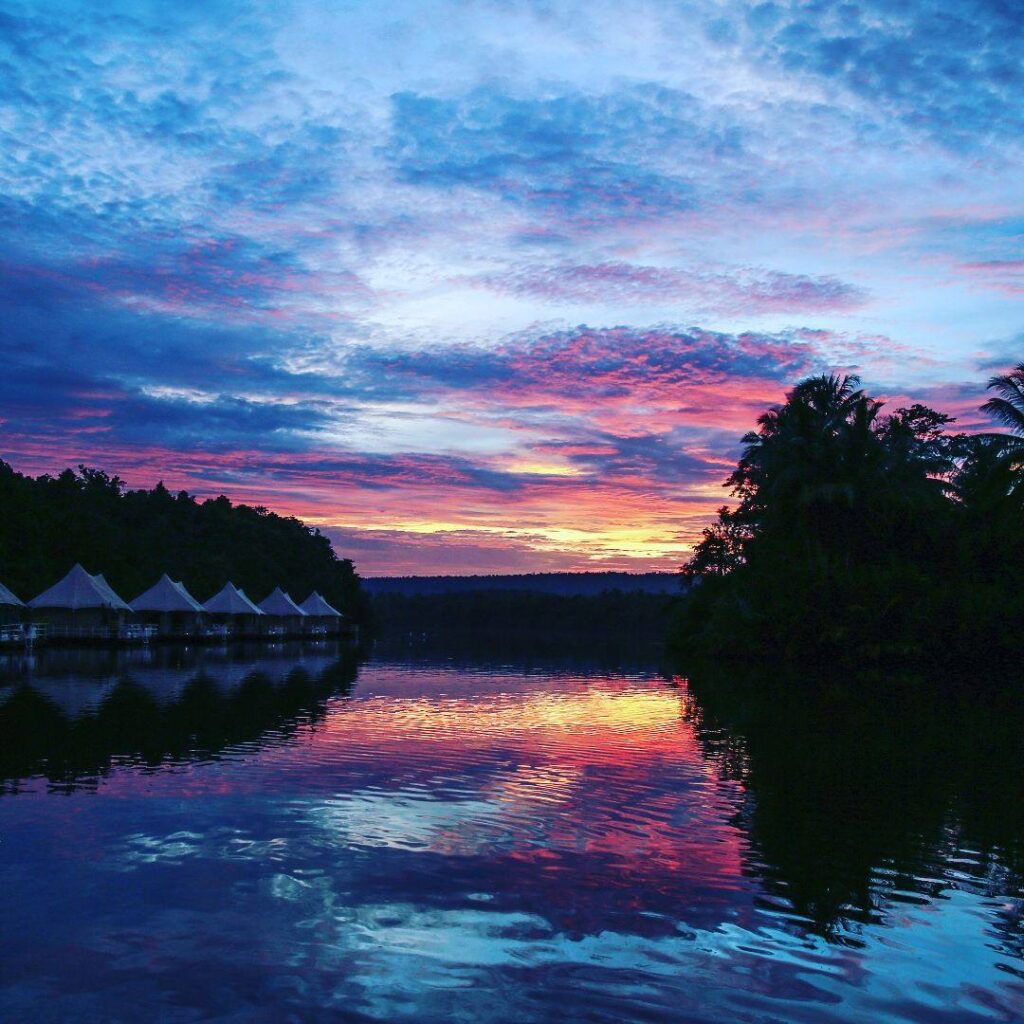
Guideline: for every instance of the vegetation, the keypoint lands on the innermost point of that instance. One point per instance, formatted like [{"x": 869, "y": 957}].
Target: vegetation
[
  {"x": 566, "y": 584},
  {"x": 505, "y": 615},
  {"x": 132, "y": 536},
  {"x": 881, "y": 536}
]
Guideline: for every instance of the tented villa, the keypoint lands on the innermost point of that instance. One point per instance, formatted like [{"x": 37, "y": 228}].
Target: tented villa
[
  {"x": 170, "y": 608},
  {"x": 11, "y": 606},
  {"x": 82, "y": 607},
  {"x": 322, "y": 617},
  {"x": 231, "y": 610},
  {"x": 283, "y": 616}
]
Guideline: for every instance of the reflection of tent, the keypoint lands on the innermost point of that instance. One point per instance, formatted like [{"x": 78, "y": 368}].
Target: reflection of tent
[
  {"x": 321, "y": 615},
  {"x": 283, "y": 611},
  {"x": 80, "y": 600},
  {"x": 231, "y": 606},
  {"x": 170, "y": 605}
]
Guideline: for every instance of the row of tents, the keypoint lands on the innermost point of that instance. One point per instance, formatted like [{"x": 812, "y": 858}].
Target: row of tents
[{"x": 84, "y": 605}]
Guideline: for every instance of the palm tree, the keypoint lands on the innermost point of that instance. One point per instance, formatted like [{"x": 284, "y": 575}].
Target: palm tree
[
  {"x": 809, "y": 449},
  {"x": 991, "y": 475},
  {"x": 1008, "y": 406}
]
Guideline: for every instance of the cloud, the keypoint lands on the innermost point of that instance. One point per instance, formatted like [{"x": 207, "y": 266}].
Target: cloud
[
  {"x": 588, "y": 159},
  {"x": 577, "y": 367},
  {"x": 743, "y": 291},
  {"x": 1002, "y": 275},
  {"x": 952, "y": 73},
  {"x": 335, "y": 260}
]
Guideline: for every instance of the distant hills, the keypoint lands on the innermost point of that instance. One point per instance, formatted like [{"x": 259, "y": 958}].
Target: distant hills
[{"x": 568, "y": 584}]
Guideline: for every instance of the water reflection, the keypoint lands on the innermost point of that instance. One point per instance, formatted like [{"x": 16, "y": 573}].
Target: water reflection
[
  {"x": 285, "y": 836},
  {"x": 72, "y": 715},
  {"x": 861, "y": 801}
]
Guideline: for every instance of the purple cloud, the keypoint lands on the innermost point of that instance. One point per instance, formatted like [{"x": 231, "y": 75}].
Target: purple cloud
[{"x": 743, "y": 291}]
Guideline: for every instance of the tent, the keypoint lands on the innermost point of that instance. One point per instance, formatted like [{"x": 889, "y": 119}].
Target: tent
[
  {"x": 170, "y": 606},
  {"x": 231, "y": 607},
  {"x": 10, "y": 606},
  {"x": 81, "y": 603},
  {"x": 322, "y": 616},
  {"x": 282, "y": 611}
]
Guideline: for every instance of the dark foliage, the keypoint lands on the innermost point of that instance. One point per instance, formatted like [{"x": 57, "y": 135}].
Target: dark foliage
[
  {"x": 568, "y": 584},
  {"x": 858, "y": 534},
  {"x": 49, "y": 523},
  {"x": 506, "y": 614}
]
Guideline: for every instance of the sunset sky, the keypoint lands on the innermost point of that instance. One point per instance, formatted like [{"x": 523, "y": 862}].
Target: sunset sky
[{"x": 492, "y": 287}]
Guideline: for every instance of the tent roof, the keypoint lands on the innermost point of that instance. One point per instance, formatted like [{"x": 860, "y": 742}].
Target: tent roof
[
  {"x": 166, "y": 596},
  {"x": 316, "y": 605},
  {"x": 279, "y": 603},
  {"x": 7, "y": 597},
  {"x": 79, "y": 589},
  {"x": 231, "y": 601}
]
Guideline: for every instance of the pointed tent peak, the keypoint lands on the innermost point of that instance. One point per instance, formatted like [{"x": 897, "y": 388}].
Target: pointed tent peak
[
  {"x": 118, "y": 601},
  {"x": 166, "y": 595},
  {"x": 9, "y": 597},
  {"x": 230, "y": 600},
  {"x": 279, "y": 603},
  {"x": 80, "y": 589},
  {"x": 316, "y": 605}
]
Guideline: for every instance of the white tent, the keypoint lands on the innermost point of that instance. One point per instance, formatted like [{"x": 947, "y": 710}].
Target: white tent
[
  {"x": 315, "y": 605},
  {"x": 166, "y": 595},
  {"x": 6, "y": 597},
  {"x": 280, "y": 604},
  {"x": 231, "y": 601},
  {"x": 80, "y": 590}
]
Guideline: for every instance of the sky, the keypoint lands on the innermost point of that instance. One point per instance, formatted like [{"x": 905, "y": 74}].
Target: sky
[{"x": 492, "y": 287}]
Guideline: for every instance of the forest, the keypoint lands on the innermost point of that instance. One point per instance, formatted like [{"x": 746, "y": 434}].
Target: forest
[
  {"x": 504, "y": 616},
  {"x": 133, "y": 536},
  {"x": 867, "y": 534}
]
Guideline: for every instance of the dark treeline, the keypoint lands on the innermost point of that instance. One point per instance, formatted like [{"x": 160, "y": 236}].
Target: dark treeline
[
  {"x": 133, "y": 536},
  {"x": 857, "y": 790},
  {"x": 866, "y": 534},
  {"x": 584, "y": 584},
  {"x": 491, "y": 615},
  {"x": 36, "y": 736}
]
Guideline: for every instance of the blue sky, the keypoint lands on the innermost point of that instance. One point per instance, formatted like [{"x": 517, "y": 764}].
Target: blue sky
[{"x": 492, "y": 287}]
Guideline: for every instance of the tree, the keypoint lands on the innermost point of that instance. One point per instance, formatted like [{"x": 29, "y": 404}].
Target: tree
[{"x": 1008, "y": 405}]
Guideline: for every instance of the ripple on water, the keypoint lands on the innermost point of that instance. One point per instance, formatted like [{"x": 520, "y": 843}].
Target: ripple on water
[{"x": 439, "y": 844}]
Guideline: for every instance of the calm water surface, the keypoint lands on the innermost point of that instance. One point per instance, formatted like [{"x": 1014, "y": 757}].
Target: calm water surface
[{"x": 284, "y": 835}]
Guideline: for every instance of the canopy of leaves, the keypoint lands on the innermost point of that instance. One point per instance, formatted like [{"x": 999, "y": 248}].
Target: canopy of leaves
[
  {"x": 133, "y": 536},
  {"x": 857, "y": 531}
]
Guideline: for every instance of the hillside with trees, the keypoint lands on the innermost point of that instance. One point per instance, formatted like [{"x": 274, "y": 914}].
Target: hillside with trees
[
  {"x": 132, "y": 536},
  {"x": 866, "y": 534},
  {"x": 564, "y": 584}
]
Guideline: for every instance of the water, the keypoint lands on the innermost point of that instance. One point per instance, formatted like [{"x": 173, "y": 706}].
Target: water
[{"x": 283, "y": 835}]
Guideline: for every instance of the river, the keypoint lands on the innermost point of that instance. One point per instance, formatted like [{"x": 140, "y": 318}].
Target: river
[{"x": 299, "y": 834}]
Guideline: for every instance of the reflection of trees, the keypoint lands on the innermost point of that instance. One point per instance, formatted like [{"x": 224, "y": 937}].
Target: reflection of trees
[
  {"x": 37, "y": 737},
  {"x": 863, "y": 797}
]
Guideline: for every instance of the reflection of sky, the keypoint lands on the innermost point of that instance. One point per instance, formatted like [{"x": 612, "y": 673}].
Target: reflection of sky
[
  {"x": 448, "y": 844},
  {"x": 508, "y": 280}
]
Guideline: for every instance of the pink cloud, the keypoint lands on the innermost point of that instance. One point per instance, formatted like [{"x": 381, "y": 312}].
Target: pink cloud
[{"x": 1001, "y": 275}]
